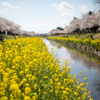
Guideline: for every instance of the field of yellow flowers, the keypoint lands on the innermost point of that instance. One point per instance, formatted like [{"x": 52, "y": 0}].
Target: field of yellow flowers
[
  {"x": 29, "y": 72},
  {"x": 95, "y": 44}
]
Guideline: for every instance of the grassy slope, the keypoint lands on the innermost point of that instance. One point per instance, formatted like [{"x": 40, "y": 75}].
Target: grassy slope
[
  {"x": 87, "y": 35},
  {"x": 7, "y": 36}
]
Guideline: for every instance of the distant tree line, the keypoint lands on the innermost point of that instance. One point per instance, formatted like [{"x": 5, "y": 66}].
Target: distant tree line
[
  {"x": 10, "y": 28},
  {"x": 89, "y": 23}
]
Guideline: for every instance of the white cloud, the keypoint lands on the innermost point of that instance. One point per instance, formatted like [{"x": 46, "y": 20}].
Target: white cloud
[
  {"x": 83, "y": 7},
  {"x": 67, "y": 14},
  {"x": 18, "y": 7},
  {"x": 38, "y": 24},
  {"x": 9, "y": 5},
  {"x": 63, "y": 6},
  {"x": 63, "y": 22},
  {"x": 3, "y": 11},
  {"x": 35, "y": 25}
]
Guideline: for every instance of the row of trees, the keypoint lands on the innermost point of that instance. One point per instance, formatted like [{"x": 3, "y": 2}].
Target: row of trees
[
  {"x": 56, "y": 32},
  {"x": 89, "y": 23},
  {"x": 9, "y": 27}
]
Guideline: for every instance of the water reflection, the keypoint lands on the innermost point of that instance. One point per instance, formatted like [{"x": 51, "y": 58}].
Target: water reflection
[
  {"x": 97, "y": 82},
  {"x": 79, "y": 56},
  {"x": 85, "y": 60},
  {"x": 80, "y": 61},
  {"x": 55, "y": 44}
]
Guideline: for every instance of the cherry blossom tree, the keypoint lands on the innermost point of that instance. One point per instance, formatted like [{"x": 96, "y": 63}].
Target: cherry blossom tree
[
  {"x": 98, "y": 18},
  {"x": 2, "y": 24},
  {"x": 56, "y": 32},
  {"x": 89, "y": 23},
  {"x": 75, "y": 25},
  {"x": 12, "y": 28}
]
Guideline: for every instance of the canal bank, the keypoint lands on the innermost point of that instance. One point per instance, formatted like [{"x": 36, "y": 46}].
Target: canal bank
[
  {"x": 79, "y": 62},
  {"x": 87, "y": 45}
]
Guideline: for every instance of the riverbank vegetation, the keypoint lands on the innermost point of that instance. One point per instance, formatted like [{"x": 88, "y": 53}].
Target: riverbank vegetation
[
  {"x": 87, "y": 35},
  {"x": 76, "y": 52},
  {"x": 29, "y": 72},
  {"x": 87, "y": 44}
]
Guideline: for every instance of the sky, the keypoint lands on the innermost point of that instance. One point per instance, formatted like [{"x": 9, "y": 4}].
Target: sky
[{"x": 41, "y": 16}]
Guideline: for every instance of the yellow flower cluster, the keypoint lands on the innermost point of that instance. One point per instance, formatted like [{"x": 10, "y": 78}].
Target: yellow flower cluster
[
  {"x": 29, "y": 72},
  {"x": 88, "y": 41}
]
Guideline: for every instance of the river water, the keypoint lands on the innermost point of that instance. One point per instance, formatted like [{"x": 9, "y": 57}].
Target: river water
[{"x": 79, "y": 62}]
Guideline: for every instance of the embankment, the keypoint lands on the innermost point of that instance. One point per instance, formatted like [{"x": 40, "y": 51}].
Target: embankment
[{"x": 87, "y": 45}]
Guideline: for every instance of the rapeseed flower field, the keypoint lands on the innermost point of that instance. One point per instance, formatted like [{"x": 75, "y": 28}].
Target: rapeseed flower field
[
  {"x": 29, "y": 72},
  {"x": 88, "y": 41}
]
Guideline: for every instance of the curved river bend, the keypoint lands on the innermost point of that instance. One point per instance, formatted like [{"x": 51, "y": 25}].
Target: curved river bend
[{"x": 79, "y": 63}]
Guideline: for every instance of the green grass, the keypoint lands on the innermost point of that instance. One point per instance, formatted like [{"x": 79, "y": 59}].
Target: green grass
[
  {"x": 7, "y": 36},
  {"x": 87, "y": 35}
]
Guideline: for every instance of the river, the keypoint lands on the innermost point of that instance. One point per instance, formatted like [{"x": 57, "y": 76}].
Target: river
[{"x": 79, "y": 62}]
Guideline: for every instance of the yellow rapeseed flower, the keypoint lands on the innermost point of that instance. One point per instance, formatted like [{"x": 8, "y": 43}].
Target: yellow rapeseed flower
[
  {"x": 35, "y": 86},
  {"x": 87, "y": 83},
  {"x": 85, "y": 78},
  {"x": 14, "y": 87},
  {"x": 27, "y": 90},
  {"x": 68, "y": 69},
  {"x": 27, "y": 98}
]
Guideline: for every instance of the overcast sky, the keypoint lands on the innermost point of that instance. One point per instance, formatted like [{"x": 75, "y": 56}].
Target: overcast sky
[{"x": 41, "y": 16}]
